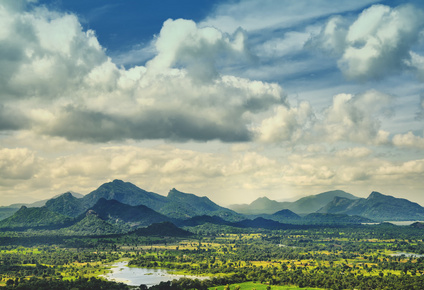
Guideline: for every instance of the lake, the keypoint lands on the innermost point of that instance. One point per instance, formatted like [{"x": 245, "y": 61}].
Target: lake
[{"x": 136, "y": 276}]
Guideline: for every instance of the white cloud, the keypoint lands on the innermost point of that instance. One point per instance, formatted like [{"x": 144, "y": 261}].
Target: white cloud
[
  {"x": 408, "y": 140},
  {"x": 253, "y": 15},
  {"x": 17, "y": 164},
  {"x": 378, "y": 43},
  {"x": 182, "y": 43},
  {"x": 287, "y": 124},
  {"x": 350, "y": 118},
  {"x": 65, "y": 85},
  {"x": 356, "y": 118}
]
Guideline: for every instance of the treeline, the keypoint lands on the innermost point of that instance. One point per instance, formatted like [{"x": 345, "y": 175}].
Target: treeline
[{"x": 56, "y": 284}]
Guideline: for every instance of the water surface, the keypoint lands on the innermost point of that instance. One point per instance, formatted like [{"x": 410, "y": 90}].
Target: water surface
[{"x": 136, "y": 276}]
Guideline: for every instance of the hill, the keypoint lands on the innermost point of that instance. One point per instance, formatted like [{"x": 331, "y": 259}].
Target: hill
[
  {"x": 203, "y": 219},
  {"x": 177, "y": 205},
  {"x": 182, "y": 205},
  {"x": 6, "y": 211},
  {"x": 118, "y": 213},
  {"x": 90, "y": 225},
  {"x": 305, "y": 205},
  {"x": 125, "y": 192},
  {"x": 67, "y": 204},
  {"x": 378, "y": 207},
  {"x": 35, "y": 217}
]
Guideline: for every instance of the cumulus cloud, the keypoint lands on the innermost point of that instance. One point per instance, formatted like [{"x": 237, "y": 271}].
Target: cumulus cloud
[
  {"x": 376, "y": 44},
  {"x": 66, "y": 85},
  {"x": 408, "y": 140},
  {"x": 355, "y": 118},
  {"x": 182, "y": 43},
  {"x": 17, "y": 164},
  {"x": 350, "y": 118},
  {"x": 287, "y": 124}
]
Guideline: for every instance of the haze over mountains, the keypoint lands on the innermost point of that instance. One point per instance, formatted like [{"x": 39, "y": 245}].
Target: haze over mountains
[{"x": 119, "y": 206}]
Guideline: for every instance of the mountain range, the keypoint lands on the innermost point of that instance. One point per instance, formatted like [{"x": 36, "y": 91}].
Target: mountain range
[
  {"x": 118, "y": 207},
  {"x": 304, "y": 205}
]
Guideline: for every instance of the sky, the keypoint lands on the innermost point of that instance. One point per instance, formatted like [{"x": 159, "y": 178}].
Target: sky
[{"x": 233, "y": 100}]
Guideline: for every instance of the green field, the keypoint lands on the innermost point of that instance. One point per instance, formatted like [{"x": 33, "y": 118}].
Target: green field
[{"x": 257, "y": 286}]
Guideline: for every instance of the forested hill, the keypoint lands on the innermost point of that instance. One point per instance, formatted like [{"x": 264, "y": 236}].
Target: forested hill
[{"x": 378, "y": 207}]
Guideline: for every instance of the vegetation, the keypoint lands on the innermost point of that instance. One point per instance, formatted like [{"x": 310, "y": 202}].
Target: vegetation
[{"x": 348, "y": 257}]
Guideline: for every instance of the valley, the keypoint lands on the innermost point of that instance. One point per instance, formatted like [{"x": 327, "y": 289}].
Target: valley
[{"x": 73, "y": 242}]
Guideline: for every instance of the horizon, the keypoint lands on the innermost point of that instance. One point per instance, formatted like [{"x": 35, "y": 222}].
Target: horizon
[
  {"x": 232, "y": 100},
  {"x": 294, "y": 199}
]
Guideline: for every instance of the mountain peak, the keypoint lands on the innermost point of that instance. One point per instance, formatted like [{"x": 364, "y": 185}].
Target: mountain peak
[{"x": 375, "y": 194}]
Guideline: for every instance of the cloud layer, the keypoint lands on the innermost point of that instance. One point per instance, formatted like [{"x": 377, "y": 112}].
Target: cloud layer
[{"x": 68, "y": 86}]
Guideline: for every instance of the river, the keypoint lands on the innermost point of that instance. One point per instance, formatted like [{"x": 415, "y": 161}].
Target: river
[{"x": 136, "y": 276}]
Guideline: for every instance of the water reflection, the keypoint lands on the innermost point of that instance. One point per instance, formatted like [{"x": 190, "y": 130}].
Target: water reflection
[{"x": 137, "y": 276}]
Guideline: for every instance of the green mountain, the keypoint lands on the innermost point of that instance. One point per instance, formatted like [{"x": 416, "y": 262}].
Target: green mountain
[
  {"x": 305, "y": 205},
  {"x": 90, "y": 225},
  {"x": 186, "y": 205},
  {"x": 262, "y": 205},
  {"x": 118, "y": 213},
  {"x": 203, "y": 219},
  {"x": 67, "y": 204},
  {"x": 35, "y": 217},
  {"x": 177, "y": 205},
  {"x": 7, "y": 211},
  {"x": 378, "y": 207},
  {"x": 165, "y": 229},
  {"x": 127, "y": 193}
]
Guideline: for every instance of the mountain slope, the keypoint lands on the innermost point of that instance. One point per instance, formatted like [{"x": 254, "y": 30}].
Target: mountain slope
[
  {"x": 186, "y": 205},
  {"x": 305, "y": 205},
  {"x": 67, "y": 204},
  {"x": 378, "y": 207},
  {"x": 116, "y": 212},
  {"x": 35, "y": 217},
  {"x": 91, "y": 224},
  {"x": 262, "y": 205},
  {"x": 125, "y": 192}
]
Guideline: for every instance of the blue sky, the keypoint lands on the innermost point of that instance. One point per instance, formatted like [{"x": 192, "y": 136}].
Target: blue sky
[{"x": 230, "y": 99}]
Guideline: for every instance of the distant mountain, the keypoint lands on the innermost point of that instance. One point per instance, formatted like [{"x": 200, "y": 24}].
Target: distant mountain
[
  {"x": 378, "y": 207},
  {"x": 305, "y": 205},
  {"x": 283, "y": 216},
  {"x": 91, "y": 225},
  {"x": 127, "y": 193},
  {"x": 329, "y": 218},
  {"x": 35, "y": 217},
  {"x": 6, "y": 211},
  {"x": 118, "y": 213},
  {"x": 186, "y": 205},
  {"x": 165, "y": 229},
  {"x": 286, "y": 214},
  {"x": 262, "y": 205}
]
